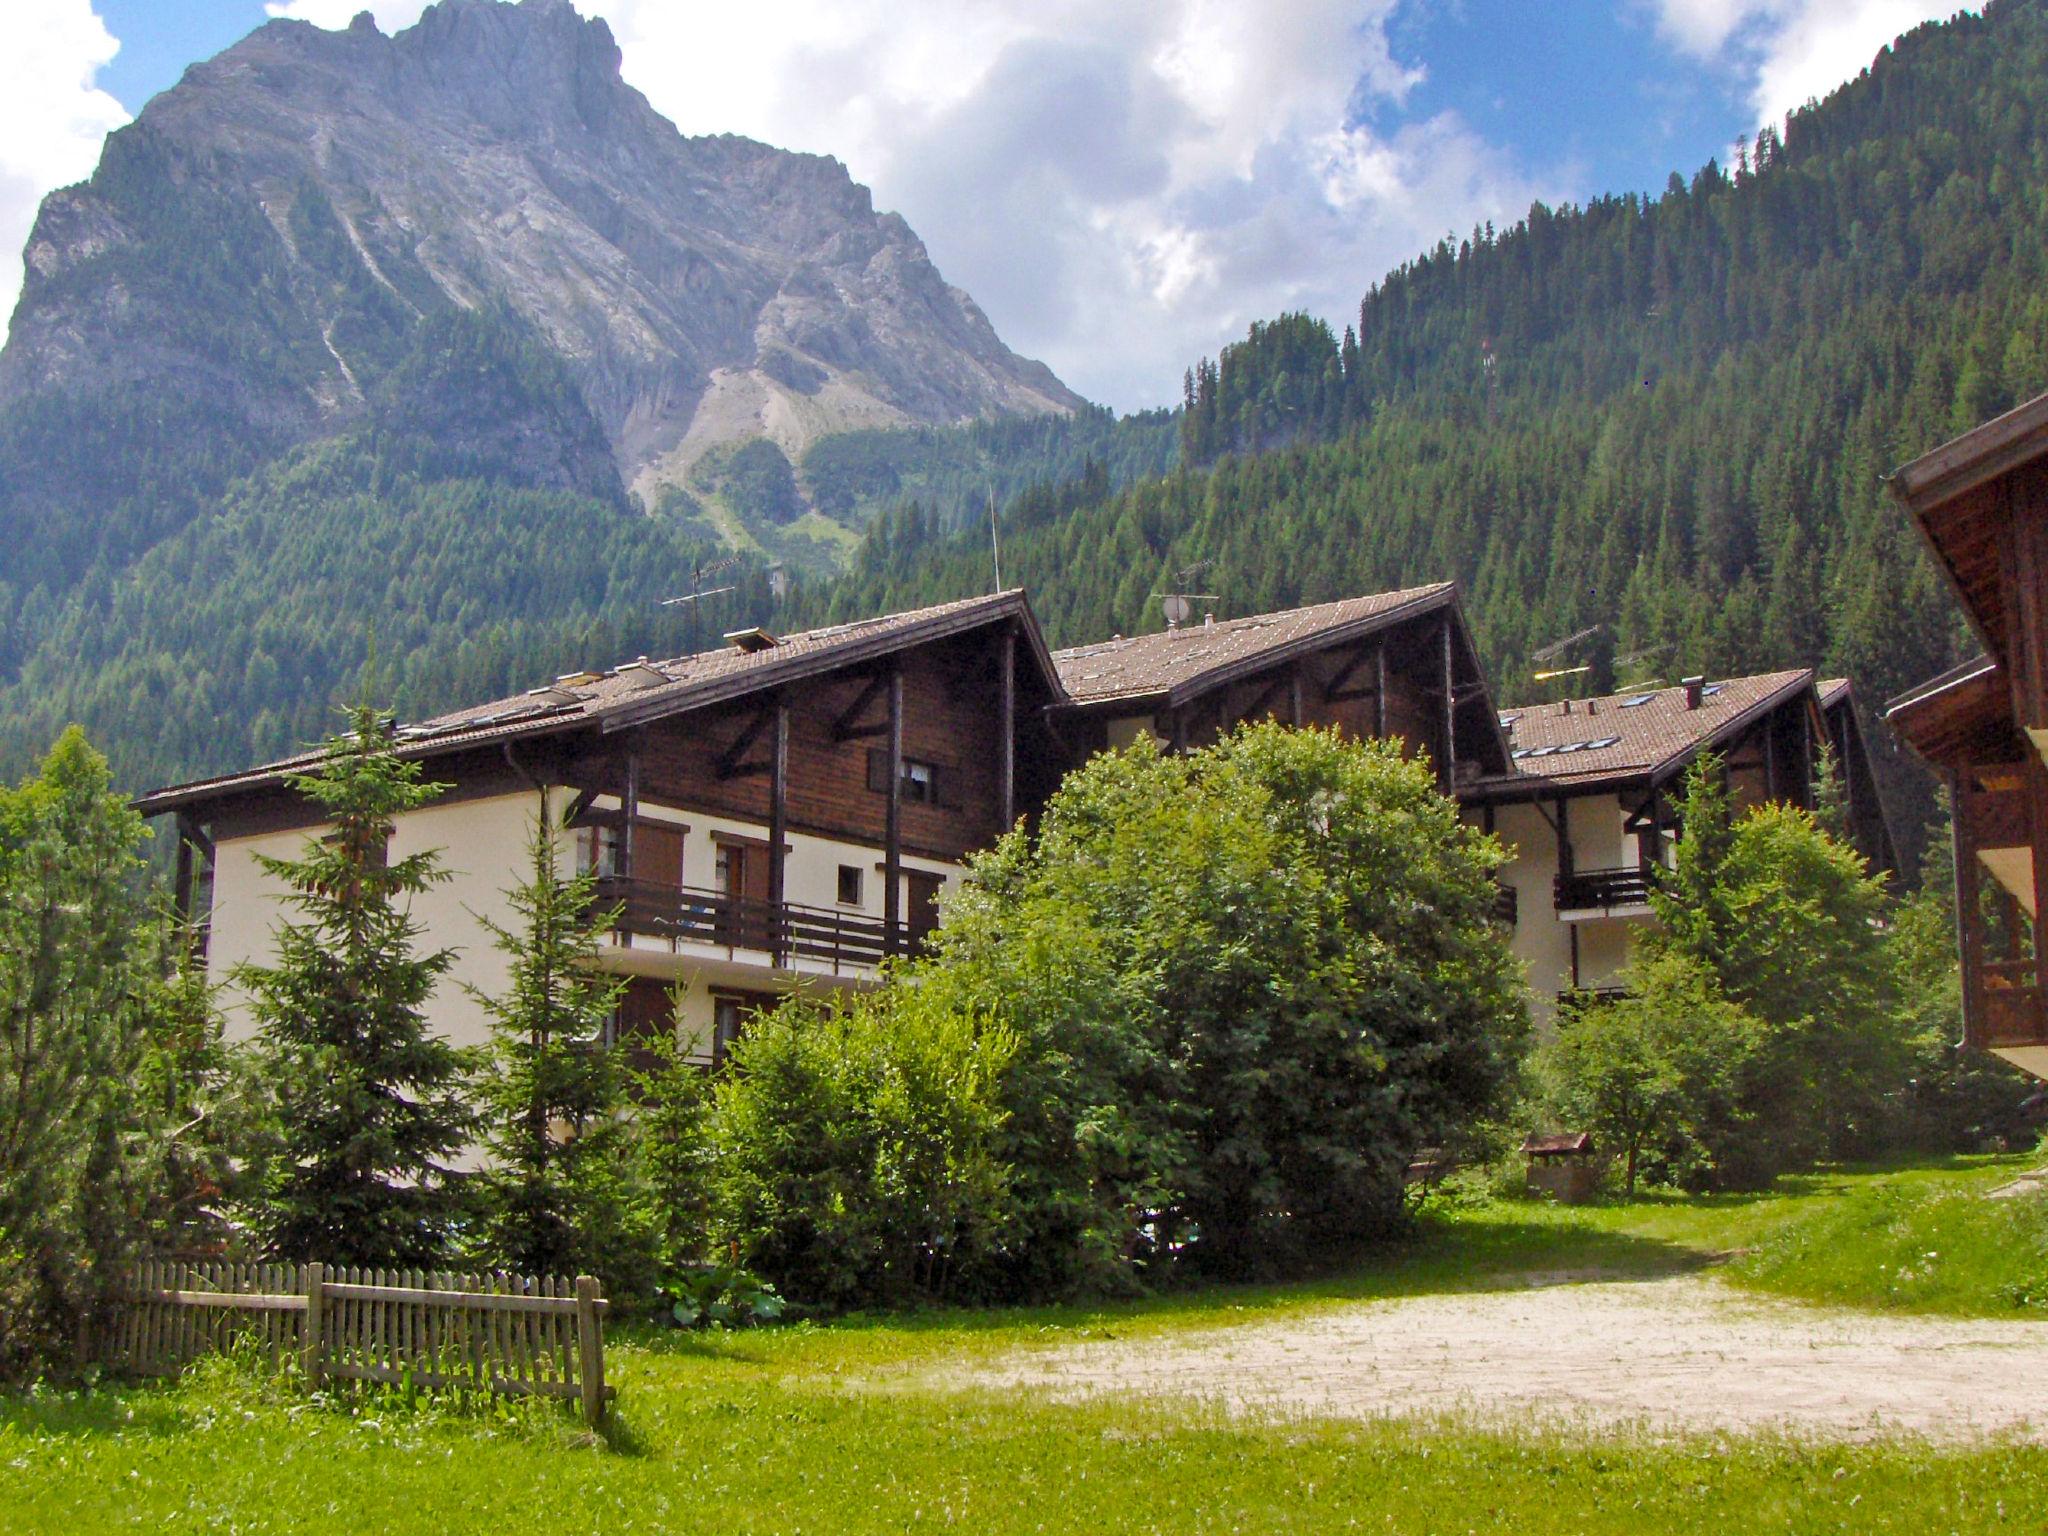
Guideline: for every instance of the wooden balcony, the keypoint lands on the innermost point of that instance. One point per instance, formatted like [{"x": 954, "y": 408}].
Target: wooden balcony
[
  {"x": 781, "y": 933},
  {"x": 1507, "y": 905},
  {"x": 2009, "y": 1013},
  {"x": 1602, "y": 889}
]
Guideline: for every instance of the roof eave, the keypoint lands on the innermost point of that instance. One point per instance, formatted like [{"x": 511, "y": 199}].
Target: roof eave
[
  {"x": 1226, "y": 673},
  {"x": 999, "y": 606}
]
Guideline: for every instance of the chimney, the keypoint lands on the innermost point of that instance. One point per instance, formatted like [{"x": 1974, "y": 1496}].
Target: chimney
[
  {"x": 1694, "y": 690},
  {"x": 1592, "y": 706},
  {"x": 1209, "y": 620},
  {"x": 1565, "y": 708}
]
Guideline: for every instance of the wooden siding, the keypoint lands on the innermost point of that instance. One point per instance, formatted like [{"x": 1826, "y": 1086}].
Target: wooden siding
[{"x": 949, "y": 720}]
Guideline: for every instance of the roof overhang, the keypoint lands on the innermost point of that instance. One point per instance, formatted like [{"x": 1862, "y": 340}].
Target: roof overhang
[
  {"x": 1189, "y": 689},
  {"x": 1957, "y": 715},
  {"x": 1511, "y": 788},
  {"x": 1956, "y": 495},
  {"x": 1000, "y": 607}
]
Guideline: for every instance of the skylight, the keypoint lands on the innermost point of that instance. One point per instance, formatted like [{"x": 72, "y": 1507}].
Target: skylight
[{"x": 1638, "y": 701}]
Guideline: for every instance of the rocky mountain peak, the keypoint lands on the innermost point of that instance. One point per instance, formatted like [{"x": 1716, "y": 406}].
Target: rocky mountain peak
[{"x": 279, "y": 228}]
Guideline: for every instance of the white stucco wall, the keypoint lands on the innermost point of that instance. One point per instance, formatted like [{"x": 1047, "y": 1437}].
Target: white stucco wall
[
  {"x": 1543, "y": 942},
  {"x": 482, "y": 843}
]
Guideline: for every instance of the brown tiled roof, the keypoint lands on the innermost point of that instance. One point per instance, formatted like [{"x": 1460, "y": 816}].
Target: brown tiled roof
[
  {"x": 634, "y": 692},
  {"x": 1183, "y": 661},
  {"x": 1832, "y": 690},
  {"x": 1619, "y": 738}
]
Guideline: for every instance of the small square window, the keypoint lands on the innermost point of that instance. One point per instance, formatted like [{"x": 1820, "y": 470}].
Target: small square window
[
  {"x": 849, "y": 885},
  {"x": 597, "y": 851}
]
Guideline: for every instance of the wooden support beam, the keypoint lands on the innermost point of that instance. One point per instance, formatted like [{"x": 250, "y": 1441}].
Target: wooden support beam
[
  {"x": 1338, "y": 687},
  {"x": 778, "y": 825},
  {"x": 2037, "y": 807},
  {"x": 1262, "y": 701},
  {"x": 1969, "y": 920},
  {"x": 892, "y": 848},
  {"x": 181, "y": 886},
  {"x": 845, "y": 726},
  {"x": 631, "y": 805},
  {"x": 1379, "y": 692},
  {"x": 1450, "y": 743},
  {"x": 1294, "y": 715},
  {"x": 729, "y": 764},
  {"x": 1006, "y": 727}
]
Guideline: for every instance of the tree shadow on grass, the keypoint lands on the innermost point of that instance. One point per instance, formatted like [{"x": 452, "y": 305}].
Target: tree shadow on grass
[
  {"x": 1436, "y": 1258},
  {"x": 95, "y": 1411}
]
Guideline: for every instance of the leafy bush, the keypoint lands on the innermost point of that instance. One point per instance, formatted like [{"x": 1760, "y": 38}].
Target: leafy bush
[
  {"x": 1654, "y": 1075},
  {"x": 1247, "y": 983},
  {"x": 720, "y": 1296},
  {"x": 853, "y": 1150}
]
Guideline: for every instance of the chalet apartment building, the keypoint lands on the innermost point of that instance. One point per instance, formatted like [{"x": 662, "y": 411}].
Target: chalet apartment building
[
  {"x": 1981, "y": 506},
  {"x": 788, "y": 811}
]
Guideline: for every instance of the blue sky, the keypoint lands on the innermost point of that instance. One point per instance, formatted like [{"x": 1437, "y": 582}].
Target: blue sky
[{"x": 1122, "y": 184}]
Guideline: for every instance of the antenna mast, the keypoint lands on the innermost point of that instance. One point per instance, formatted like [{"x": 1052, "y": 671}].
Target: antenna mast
[
  {"x": 698, "y": 592},
  {"x": 994, "y": 545}
]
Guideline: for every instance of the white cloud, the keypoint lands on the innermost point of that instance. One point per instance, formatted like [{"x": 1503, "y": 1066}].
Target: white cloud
[
  {"x": 52, "y": 117},
  {"x": 1793, "y": 50},
  {"x": 1121, "y": 184}
]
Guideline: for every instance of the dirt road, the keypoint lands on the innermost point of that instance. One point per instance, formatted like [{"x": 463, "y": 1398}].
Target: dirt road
[{"x": 1671, "y": 1355}]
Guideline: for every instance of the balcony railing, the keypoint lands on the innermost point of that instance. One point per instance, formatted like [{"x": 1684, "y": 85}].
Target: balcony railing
[
  {"x": 1591, "y": 888},
  {"x": 1507, "y": 906},
  {"x": 2009, "y": 1007},
  {"x": 783, "y": 931}
]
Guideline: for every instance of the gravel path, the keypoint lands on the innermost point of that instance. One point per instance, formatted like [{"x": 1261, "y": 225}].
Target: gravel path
[{"x": 1670, "y": 1355}]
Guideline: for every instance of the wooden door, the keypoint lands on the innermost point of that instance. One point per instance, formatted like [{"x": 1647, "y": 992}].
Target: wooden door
[
  {"x": 743, "y": 880},
  {"x": 923, "y": 914}
]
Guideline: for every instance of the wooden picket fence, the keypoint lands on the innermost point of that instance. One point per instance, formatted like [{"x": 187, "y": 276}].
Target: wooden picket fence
[{"x": 495, "y": 1333}]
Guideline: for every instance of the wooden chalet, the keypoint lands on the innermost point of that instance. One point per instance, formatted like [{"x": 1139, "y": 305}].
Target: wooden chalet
[
  {"x": 1981, "y": 506},
  {"x": 783, "y": 811},
  {"x": 786, "y": 811},
  {"x": 1396, "y": 664},
  {"x": 1587, "y": 806}
]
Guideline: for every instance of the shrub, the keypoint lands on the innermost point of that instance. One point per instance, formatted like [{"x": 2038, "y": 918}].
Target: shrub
[
  {"x": 1654, "y": 1075},
  {"x": 83, "y": 1002},
  {"x": 1247, "y": 983},
  {"x": 853, "y": 1148}
]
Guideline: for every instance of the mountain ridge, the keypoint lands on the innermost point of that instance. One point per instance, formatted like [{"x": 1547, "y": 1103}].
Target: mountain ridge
[{"x": 697, "y": 291}]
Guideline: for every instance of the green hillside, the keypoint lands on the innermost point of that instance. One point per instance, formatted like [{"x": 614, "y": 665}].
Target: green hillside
[{"x": 1669, "y": 416}]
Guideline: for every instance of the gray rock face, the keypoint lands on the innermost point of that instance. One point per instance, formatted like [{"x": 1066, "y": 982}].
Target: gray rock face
[{"x": 697, "y": 290}]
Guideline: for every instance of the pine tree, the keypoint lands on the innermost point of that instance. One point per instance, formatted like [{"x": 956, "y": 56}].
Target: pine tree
[
  {"x": 1831, "y": 796},
  {"x": 555, "y": 1196},
  {"x": 80, "y": 960},
  {"x": 371, "y": 1101}
]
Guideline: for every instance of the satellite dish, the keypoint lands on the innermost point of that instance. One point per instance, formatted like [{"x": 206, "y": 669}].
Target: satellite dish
[{"x": 1177, "y": 609}]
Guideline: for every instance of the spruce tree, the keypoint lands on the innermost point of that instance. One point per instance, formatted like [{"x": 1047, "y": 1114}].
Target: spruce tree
[
  {"x": 555, "y": 1195},
  {"x": 371, "y": 1099}
]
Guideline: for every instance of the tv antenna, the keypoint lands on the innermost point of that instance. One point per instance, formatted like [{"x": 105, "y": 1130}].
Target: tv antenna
[
  {"x": 1178, "y": 604},
  {"x": 1557, "y": 648},
  {"x": 698, "y": 592}
]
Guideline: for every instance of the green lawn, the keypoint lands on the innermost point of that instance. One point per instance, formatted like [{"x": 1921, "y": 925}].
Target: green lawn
[{"x": 765, "y": 1431}]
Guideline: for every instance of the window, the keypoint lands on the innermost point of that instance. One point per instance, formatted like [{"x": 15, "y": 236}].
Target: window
[
  {"x": 920, "y": 778},
  {"x": 597, "y": 851},
  {"x": 849, "y": 885}
]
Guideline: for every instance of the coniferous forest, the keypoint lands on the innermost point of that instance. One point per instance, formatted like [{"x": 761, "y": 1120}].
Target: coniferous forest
[{"x": 1668, "y": 415}]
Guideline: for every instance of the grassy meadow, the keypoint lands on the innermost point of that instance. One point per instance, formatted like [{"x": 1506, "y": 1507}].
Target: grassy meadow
[{"x": 818, "y": 1428}]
